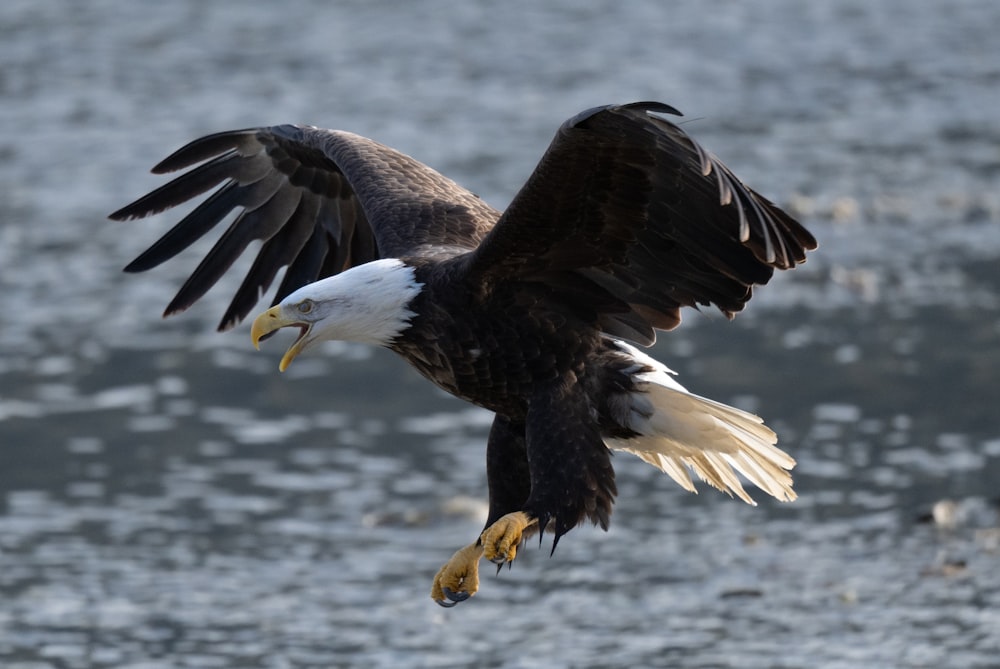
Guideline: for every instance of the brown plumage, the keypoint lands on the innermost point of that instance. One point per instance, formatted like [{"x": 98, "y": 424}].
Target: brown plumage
[{"x": 624, "y": 221}]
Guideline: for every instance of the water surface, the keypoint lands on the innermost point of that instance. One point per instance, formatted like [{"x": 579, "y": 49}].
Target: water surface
[{"x": 167, "y": 499}]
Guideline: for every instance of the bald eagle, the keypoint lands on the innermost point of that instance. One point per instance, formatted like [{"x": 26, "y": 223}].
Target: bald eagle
[{"x": 534, "y": 313}]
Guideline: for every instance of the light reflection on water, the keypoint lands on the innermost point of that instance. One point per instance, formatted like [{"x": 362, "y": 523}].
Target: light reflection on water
[
  {"x": 175, "y": 524},
  {"x": 167, "y": 499}
]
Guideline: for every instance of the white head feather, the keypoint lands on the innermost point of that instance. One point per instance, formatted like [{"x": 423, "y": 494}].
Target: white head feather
[{"x": 368, "y": 303}]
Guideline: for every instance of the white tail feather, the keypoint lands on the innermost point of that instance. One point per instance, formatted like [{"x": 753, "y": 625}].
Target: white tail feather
[{"x": 679, "y": 430}]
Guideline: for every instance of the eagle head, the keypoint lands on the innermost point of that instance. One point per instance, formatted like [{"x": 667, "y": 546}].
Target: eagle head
[{"x": 368, "y": 304}]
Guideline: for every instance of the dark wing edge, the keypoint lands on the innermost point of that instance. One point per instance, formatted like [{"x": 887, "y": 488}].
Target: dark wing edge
[
  {"x": 320, "y": 201},
  {"x": 291, "y": 196},
  {"x": 631, "y": 204}
]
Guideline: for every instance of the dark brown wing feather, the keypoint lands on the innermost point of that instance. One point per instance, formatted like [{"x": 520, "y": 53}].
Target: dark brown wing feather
[
  {"x": 629, "y": 201},
  {"x": 320, "y": 201}
]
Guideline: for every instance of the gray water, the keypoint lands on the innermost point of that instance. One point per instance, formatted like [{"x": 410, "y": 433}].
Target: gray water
[{"x": 167, "y": 499}]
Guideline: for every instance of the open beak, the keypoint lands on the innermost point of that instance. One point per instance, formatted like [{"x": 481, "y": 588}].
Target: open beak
[{"x": 272, "y": 320}]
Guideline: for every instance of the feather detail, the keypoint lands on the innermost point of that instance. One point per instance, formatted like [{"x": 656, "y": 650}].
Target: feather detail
[{"x": 679, "y": 431}]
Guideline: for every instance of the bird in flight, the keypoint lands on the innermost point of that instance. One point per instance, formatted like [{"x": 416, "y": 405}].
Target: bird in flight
[{"x": 536, "y": 313}]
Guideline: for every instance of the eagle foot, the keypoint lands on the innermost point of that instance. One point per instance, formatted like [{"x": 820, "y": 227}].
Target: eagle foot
[
  {"x": 500, "y": 540},
  {"x": 458, "y": 579}
]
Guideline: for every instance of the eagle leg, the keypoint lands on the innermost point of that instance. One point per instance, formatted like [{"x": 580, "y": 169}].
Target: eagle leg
[
  {"x": 571, "y": 474},
  {"x": 458, "y": 579},
  {"x": 509, "y": 483},
  {"x": 501, "y": 539}
]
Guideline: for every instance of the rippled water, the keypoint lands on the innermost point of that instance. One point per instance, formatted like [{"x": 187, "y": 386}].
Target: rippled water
[{"x": 167, "y": 499}]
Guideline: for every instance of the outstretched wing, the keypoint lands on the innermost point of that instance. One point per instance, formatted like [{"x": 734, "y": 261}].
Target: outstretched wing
[
  {"x": 320, "y": 201},
  {"x": 627, "y": 200}
]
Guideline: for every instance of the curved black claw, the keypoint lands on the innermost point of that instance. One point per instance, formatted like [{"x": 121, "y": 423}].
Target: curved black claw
[
  {"x": 454, "y": 597},
  {"x": 500, "y": 565}
]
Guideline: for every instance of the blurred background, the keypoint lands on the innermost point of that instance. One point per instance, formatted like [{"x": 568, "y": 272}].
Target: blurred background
[{"x": 168, "y": 499}]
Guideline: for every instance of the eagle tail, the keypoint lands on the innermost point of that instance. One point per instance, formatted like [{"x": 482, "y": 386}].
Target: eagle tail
[{"x": 679, "y": 433}]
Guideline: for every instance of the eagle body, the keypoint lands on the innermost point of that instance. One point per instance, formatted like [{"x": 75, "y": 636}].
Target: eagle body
[
  {"x": 535, "y": 313},
  {"x": 493, "y": 348},
  {"x": 538, "y": 361}
]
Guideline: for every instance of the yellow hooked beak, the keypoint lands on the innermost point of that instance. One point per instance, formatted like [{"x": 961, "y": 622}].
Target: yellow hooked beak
[{"x": 273, "y": 319}]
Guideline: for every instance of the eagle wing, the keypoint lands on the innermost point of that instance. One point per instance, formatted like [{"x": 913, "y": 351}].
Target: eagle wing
[
  {"x": 320, "y": 201},
  {"x": 628, "y": 201}
]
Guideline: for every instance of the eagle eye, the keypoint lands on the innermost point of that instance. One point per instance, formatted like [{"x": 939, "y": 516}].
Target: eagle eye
[{"x": 305, "y": 306}]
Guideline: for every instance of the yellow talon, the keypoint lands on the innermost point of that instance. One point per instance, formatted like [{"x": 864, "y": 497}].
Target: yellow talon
[
  {"x": 500, "y": 540},
  {"x": 458, "y": 579}
]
